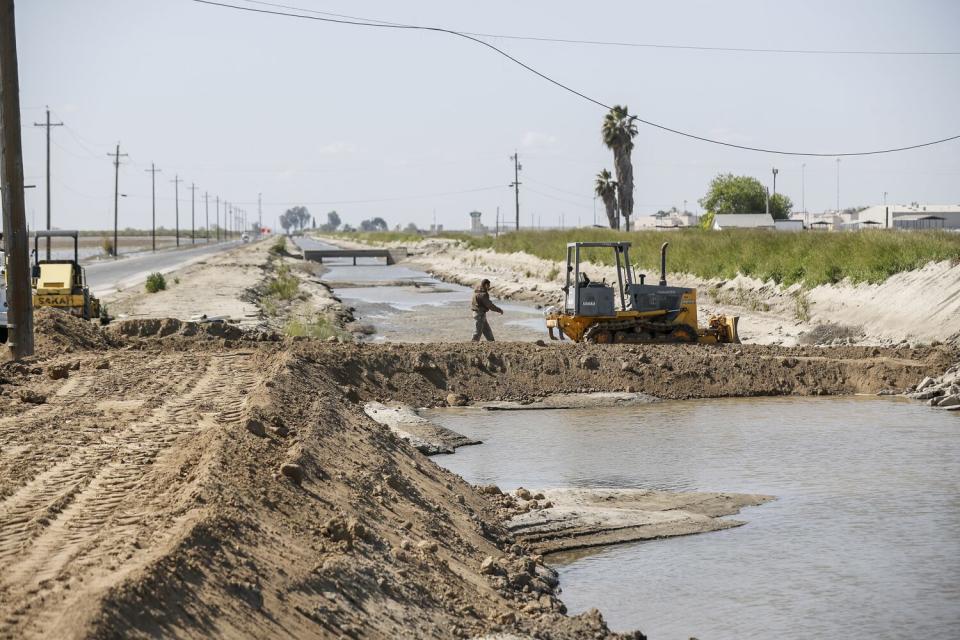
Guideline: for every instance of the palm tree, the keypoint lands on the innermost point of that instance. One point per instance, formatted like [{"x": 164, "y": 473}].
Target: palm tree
[
  {"x": 606, "y": 188},
  {"x": 618, "y": 131}
]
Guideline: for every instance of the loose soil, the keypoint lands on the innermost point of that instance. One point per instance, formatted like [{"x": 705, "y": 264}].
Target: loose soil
[{"x": 157, "y": 478}]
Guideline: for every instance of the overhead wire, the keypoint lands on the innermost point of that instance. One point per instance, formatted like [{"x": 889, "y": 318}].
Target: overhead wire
[
  {"x": 650, "y": 123},
  {"x": 640, "y": 45}
]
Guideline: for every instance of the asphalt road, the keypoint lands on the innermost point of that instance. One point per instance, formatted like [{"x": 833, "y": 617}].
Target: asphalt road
[{"x": 107, "y": 277}]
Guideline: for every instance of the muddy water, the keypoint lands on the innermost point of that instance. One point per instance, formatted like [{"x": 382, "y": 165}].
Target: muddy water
[
  {"x": 407, "y": 305},
  {"x": 862, "y": 542}
]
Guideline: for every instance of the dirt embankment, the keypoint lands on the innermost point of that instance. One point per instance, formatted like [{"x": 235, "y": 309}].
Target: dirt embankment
[
  {"x": 921, "y": 306},
  {"x": 159, "y": 479}
]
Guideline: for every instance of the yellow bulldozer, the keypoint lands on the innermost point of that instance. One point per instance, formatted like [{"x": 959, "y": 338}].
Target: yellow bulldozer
[
  {"x": 629, "y": 311},
  {"x": 62, "y": 283}
]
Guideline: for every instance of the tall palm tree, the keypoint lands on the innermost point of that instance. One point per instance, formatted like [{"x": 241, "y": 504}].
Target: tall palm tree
[
  {"x": 618, "y": 131},
  {"x": 606, "y": 188}
]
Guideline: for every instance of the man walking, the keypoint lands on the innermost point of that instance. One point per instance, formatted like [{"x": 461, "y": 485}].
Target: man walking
[{"x": 480, "y": 305}]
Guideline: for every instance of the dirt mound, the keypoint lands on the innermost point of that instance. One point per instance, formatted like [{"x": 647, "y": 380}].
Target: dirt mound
[
  {"x": 56, "y": 331},
  {"x": 164, "y": 327}
]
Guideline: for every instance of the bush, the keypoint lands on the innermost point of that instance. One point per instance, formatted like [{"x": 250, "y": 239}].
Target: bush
[
  {"x": 156, "y": 282},
  {"x": 279, "y": 246},
  {"x": 285, "y": 285},
  {"x": 107, "y": 245},
  {"x": 321, "y": 328}
]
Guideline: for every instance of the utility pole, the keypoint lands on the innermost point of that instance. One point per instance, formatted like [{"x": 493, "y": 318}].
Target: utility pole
[
  {"x": 516, "y": 185},
  {"x": 116, "y": 196},
  {"x": 176, "y": 204},
  {"x": 838, "y": 186},
  {"x": 153, "y": 199},
  {"x": 218, "y": 218},
  {"x": 193, "y": 213},
  {"x": 16, "y": 243},
  {"x": 803, "y": 190},
  {"x": 206, "y": 207},
  {"x": 48, "y": 125},
  {"x": 259, "y": 212}
]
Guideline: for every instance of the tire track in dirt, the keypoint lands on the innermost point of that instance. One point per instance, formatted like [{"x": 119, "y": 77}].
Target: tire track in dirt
[{"x": 82, "y": 515}]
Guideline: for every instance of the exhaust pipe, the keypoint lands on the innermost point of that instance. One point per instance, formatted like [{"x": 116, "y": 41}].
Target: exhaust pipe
[{"x": 663, "y": 264}]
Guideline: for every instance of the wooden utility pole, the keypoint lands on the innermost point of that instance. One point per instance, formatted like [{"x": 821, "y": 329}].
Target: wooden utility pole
[
  {"x": 259, "y": 212},
  {"x": 193, "y": 207},
  {"x": 48, "y": 125},
  {"x": 176, "y": 200},
  {"x": 153, "y": 199},
  {"x": 16, "y": 243},
  {"x": 218, "y": 218},
  {"x": 516, "y": 185},
  {"x": 116, "y": 196}
]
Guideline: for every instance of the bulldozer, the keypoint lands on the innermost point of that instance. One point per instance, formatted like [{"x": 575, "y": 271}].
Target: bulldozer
[
  {"x": 63, "y": 283},
  {"x": 631, "y": 311}
]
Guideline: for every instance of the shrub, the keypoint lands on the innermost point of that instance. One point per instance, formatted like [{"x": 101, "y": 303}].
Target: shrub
[
  {"x": 279, "y": 246},
  {"x": 321, "y": 328},
  {"x": 107, "y": 245},
  {"x": 285, "y": 285},
  {"x": 156, "y": 282}
]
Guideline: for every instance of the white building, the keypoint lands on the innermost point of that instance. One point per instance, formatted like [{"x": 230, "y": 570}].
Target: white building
[
  {"x": 788, "y": 225},
  {"x": 914, "y": 216},
  {"x": 475, "y": 225},
  {"x": 723, "y": 221}
]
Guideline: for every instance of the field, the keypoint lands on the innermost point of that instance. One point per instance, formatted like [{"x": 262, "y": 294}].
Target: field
[{"x": 811, "y": 258}]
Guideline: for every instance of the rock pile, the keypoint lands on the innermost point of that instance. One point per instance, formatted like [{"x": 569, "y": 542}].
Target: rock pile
[{"x": 943, "y": 392}]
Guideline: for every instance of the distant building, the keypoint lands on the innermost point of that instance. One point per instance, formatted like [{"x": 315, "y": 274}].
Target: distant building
[
  {"x": 914, "y": 216},
  {"x": 788, "y": 225},
  {"x": 723, "y": 221},
  {"x": 475, "y": 225}
]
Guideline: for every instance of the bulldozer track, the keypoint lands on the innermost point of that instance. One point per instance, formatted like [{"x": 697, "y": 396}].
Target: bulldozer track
[{"x": 82, "y": 514}]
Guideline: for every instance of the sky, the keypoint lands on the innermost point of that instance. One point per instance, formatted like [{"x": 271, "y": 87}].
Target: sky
[{"x": 417, "y": 126}]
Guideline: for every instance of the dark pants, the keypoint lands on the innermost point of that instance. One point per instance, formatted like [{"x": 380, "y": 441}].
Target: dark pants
[{"x": 482, "y": 328}]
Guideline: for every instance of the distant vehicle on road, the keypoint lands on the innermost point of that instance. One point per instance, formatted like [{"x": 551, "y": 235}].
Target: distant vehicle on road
[{"x": 245, "y": 237}]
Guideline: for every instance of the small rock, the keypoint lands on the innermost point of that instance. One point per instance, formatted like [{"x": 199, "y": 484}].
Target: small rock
[
  {"x": 58, "y": 371},
  {"x": 523, "y": 494},
  {"x": 538, "y": 496},
  {"x": 926, "y": 382},
  {"x": 292, "y": 471},
  {"x": 456, "y": 400},
  {"x": 540, "y": 343},
  {"x": 31, "y": 397},
  {"x": 489, "y": 489},
  {"x": 405, "y": 545},
  {"x": 256, "y": 427},
  {"x": 280, "y": 430},
  {"x": 949, "y": 401},
  {"x": 488, "y": 566},
  {"x": 427, "y": 546},
  {"x": 590, "y": 362},
  {"x": 102, "y": 364},
  {"x": 507, "y": 618}
]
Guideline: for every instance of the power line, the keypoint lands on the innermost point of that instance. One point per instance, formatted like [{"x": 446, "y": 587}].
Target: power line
[
  {"x": 381, "y": 25},
  {"x": 639, "y": 45}
]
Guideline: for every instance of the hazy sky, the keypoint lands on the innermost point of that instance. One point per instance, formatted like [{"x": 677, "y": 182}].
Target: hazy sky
[{"x": 321, "y": 114}]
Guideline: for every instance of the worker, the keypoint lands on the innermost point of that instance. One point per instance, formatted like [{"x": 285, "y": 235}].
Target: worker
[{"x": 480, "y": 304}]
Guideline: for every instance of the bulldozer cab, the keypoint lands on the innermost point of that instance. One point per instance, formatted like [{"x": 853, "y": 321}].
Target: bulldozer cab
[
  {"x": 584, "y": 297},
  {"x": 57, "y": 276}
]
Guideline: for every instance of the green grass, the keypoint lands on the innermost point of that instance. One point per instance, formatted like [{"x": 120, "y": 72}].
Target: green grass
[
  {"x": 279, "y": 246},
  {"x": 284, "y": 285},
  {"x": 156, "y": 282},
  {"x": 811, "y": 258},
  {"x": 321, "y": 328},
  {"x": 373, "y": 237}
]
